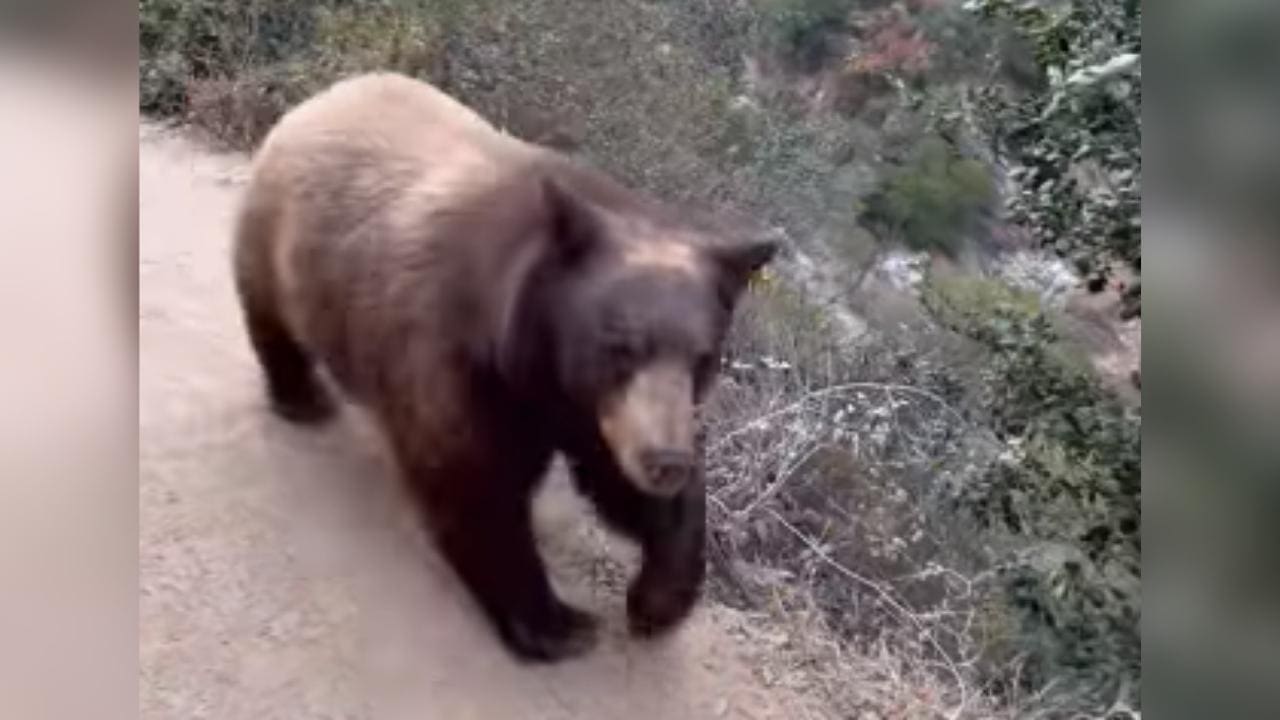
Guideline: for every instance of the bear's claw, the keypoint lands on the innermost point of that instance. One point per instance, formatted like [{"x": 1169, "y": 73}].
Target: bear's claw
[
  {"x": 653, "y": 609},
  {"x": 568, "y": 632}
]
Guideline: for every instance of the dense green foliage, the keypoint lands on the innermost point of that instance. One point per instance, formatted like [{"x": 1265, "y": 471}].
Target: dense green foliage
[
  {"x": 1066, "y": 492},
  {"x": 651, "y": 91},
  {"x": 233, "y": 68},
  {"x": 930, "y": 203},
  {"x": 1076, "y": 145},
  {"x": 800, "y": 28},
  {"x": 1069, "y": 482}
]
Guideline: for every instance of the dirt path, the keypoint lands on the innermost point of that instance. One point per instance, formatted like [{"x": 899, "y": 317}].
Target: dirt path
[{"x": 282, "y": 574}]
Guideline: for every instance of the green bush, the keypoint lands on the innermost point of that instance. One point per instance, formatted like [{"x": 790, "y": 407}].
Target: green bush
[
  {"x": 965, "y": 301},
  {"x": 1066, "y": 494},
  {"x": 774, "y": 320},
  {"x": 598, "y": 77},
  {"x": 355, "y": 39},
  {"x": 800, "y": 28},
  {"x": 181, "y": 41},
  {"x": 1075, "y": 145},
  {"x": 234, "y": 67},
  {"x": 933, "y": 200}
]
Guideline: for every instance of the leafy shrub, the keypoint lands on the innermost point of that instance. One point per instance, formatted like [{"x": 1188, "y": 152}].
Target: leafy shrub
[
  {"x": 929, "y": 203},
  {"x": 824, "y": 508},
  {"x": 800, "y": 28},
  {"x": 351, "y": 39},
  {"x": 1066, "y": 493},
  {"x": 235, "y": 67},
  {"x": 1076, "y": 145},
  {"x": 185, "y": 40},
  {"x": 597, "y": 77},
  {"x": 893, "y": 42},
  {"x": 964, "y": 301}
]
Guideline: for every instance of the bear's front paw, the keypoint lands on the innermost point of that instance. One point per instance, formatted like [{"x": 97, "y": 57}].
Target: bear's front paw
[
  {"x": 656, "y": 606},
  {"x": 562, "y": 633}
]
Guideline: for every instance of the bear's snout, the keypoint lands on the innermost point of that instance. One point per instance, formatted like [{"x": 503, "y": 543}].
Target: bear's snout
[
  {"x": 649, "y": 427},
  {"x": 667, "y": 471}
]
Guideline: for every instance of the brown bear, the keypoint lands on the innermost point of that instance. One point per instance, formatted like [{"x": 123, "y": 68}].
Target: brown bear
[{"x": 492, "y": 302}]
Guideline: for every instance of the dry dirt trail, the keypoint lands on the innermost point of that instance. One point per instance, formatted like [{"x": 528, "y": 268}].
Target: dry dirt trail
[{"x": 282, "y": 575}]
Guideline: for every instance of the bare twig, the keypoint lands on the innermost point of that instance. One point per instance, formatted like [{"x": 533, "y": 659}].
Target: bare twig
[
  {"x": 834, "y": 390},
  {"x": 783, "y": 477},
  {"x": 888, "y": 597}
]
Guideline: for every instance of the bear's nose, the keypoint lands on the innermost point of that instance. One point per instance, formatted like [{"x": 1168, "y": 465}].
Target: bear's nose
[{"x": 667, "y": 470}]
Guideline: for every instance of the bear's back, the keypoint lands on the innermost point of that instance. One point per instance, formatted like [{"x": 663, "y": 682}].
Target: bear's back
[
  {"x": 374, "y": 188},
  {"x": 390, "y": 107},
  {"x": 405, "y": 130}
]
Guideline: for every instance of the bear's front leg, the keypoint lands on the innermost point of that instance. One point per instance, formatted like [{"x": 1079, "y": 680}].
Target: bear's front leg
[
  {"x": 672, "y": 573},
  {"x": 483, "y": 526},
  {"x": 671, "y": 533}
]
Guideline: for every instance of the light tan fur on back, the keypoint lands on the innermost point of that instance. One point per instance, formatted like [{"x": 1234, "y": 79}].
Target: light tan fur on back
[
  {"x": 381, "y": 151},
  {"x": 445, "y": 153},
  {"x": 385, "y": 223},
  {"x": 374, "y": 174}
]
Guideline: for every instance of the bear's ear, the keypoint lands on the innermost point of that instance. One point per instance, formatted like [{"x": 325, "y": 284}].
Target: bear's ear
[
  {"x": 741, "y": 260},
  {"x": 575, "y": 226}
]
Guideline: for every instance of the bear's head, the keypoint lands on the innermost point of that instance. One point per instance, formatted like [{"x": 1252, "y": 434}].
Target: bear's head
[{"x": 622, "y": 324}]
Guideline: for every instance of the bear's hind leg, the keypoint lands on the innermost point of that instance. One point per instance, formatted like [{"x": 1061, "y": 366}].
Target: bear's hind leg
[
  {"x": 292, "y": 385},
  {"x": 484, "y": 529}
]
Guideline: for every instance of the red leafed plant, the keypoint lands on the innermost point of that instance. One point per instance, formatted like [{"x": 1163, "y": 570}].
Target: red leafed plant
[{"x": 893, "y": 43}]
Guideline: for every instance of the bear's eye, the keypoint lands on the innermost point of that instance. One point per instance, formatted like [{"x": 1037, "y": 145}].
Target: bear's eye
[{"x": 622, "y": 349}]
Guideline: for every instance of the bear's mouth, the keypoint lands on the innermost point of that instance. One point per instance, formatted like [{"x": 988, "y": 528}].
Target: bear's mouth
[{"x": 648, "y": 426}]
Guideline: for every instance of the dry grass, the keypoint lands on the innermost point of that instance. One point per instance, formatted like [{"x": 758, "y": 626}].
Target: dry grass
[
  {"x": 829, "y": 472},
  {"x": 236, "y": 112}
]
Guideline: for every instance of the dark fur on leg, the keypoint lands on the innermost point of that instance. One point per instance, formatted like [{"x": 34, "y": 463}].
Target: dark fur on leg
[
  {"x": 671, "y": 533},
  {"x": 292, "y": 386},
  {"x": 499, "y": 562}
]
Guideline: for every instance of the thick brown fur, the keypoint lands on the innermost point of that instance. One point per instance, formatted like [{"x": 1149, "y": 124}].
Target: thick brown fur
[{"x": 485, "y": 298}]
